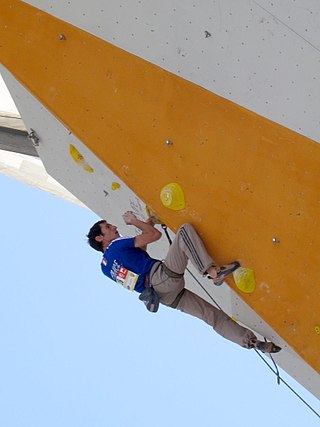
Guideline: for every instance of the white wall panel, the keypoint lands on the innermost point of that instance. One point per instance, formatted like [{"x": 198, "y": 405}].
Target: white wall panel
[{"x": 262, "y": 55}]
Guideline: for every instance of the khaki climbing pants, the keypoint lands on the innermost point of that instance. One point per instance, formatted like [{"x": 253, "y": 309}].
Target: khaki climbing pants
[{"x": 168, "y": 281}]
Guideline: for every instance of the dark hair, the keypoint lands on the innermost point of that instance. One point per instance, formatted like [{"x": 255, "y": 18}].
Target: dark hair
[{"x": 95, "y": 231}]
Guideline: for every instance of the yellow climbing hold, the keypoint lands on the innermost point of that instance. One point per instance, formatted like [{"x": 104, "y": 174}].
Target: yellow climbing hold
[
  {"x": 172, "y": 197},
  {"x": 115, "y": 186},
  {"x": 79, "y": 159},
  {"x": 244, "y": 279},
  {"x": 317, "y": 329}
]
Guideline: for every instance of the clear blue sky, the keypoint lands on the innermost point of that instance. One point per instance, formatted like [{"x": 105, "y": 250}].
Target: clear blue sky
[{"x": 77, "y": 350}]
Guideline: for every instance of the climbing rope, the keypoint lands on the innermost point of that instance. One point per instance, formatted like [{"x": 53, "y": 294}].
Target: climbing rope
[
  {"x": 280, "y": 379},
  {"x": 274, "y": 369}
]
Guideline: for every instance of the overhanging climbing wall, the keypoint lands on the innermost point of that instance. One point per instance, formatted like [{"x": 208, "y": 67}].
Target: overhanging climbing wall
[{"x": 219, "y": 99}]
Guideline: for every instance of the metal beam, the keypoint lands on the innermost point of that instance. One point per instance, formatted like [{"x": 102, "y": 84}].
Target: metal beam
[
  {"x": 16, "y": 141},
  {"x": 14, "y": 136}
]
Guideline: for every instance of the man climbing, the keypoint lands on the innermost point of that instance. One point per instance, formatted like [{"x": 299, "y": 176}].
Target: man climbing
[{"x": 126, "y": 261}]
